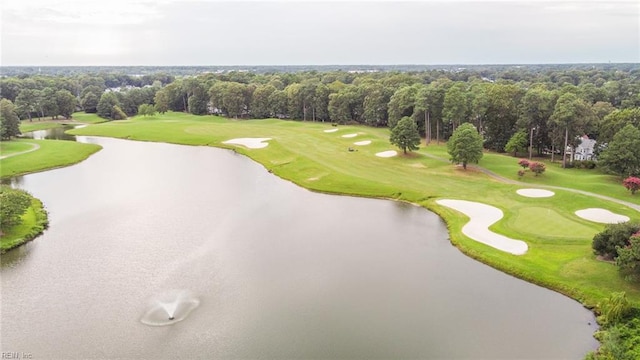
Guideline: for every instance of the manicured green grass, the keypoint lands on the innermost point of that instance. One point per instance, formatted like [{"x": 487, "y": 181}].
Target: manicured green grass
[
  {"x": 34, "y": 221},
  {"x": 26, "y": 125},
  {"x": 12, "y": 147},
  {"x": 46, "y": 123},
  {"x": 560, "y": 255},
  {"x": 52, "y": 154},
  {"x": 85, "y": 118},
  {"x": 591, "y": 180}
]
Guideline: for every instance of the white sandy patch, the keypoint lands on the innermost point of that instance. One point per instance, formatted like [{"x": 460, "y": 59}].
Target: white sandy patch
[
  {"x": 364, "y": 142},
  {"x": 388, "y": 153},
  {"x": 331, "y": 130},
  {"x": 535, "y": 193},
  {"x": 251, "y": 143},
  {"x": 349, "y": 135},
  {"x": 603, "y": 216},
  {"x": 481, "y": 217}
]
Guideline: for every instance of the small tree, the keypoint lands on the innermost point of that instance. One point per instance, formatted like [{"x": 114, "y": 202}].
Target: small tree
[
  {"x": 614, "y": 237},
  {"x": 13, "y": 203},
  {"x": 517, "y": 142},
  {"x": 405, "y": 135},
  {"x": 9, "y": 121},
  {"x": 632, "y": 184},
  {"x": 465, "y": 145},
  {"x": 524, "y": 163},
  {"x": 537, "y": 167},
  {"x": 146, "y": 110},
  {"x": 628, "y": 259},
  {"x": 622, "y": 155}
]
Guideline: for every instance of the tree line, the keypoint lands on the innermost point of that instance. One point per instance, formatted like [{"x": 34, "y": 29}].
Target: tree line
[{"x": 547, "y": 108}]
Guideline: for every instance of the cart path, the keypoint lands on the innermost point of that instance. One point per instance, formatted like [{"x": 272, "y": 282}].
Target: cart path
[
  {"x": 34, "y": 148},
  {"x": 516, "y": 182}
]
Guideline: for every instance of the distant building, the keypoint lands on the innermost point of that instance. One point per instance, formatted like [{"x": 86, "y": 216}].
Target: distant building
[{"x": 584, "y": 151}]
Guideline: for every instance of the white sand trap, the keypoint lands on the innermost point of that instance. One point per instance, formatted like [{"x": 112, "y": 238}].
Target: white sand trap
[
  {"x": 388, "y": 153},
  {"x": 331, "y": 130},
  {"x": 603, "y": 216},
  {"x": 251, "y": 143},
  {"x": 349, "y": 135},
  {"x": 365, "y": 142},
  {"x": 535, "y": 193},
  {"x": 481, "y": 217}
]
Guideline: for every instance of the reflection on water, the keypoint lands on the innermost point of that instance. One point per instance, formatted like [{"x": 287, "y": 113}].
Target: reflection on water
[
  {"x": 51, "y": 134},
  {"x": 278, "y": 271}
]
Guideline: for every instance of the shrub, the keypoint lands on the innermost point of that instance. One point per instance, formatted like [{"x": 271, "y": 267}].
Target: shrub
[
  {"x": 13, "y": 203},
  {"x": 628, "y": 259},
  {"x": 524, "y": 163},
  {"x": 521, "y": 173},
  {"x": 537, "y": 167},
  {"x": 632, "y": 184},
  {"x": 613, "y": 237}
]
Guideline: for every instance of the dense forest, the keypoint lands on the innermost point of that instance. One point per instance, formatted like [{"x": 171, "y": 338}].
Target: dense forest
[{"x": 551, "y": 106}]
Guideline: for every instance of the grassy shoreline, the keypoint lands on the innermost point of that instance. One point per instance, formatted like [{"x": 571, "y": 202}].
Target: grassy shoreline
[
  {"x": 50, "y": 155},
  {"x": 34, "y": 221},
  {"x": 302, "y": 153}
]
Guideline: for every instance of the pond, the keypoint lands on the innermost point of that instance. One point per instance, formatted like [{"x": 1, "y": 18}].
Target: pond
[{"x": 268, "y": 270}]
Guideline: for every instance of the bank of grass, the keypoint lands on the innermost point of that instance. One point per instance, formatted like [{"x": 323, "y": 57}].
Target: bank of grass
[
  {"x": 47, "y": 123},
  {"x": 51, "y": 154},
  {"x": 34, "y": 222},
  {"x": 85, "y": 118},
  {"x": 560, "y": 258}
]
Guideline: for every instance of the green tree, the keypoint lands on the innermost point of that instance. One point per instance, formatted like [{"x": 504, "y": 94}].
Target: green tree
[
  {"x": 534, "y": 111},
  {"x": 465, "y": 145},
  {"x": 628, "y": 259},
  {"x": 13, "y": 204},
  {"x": 405, "y": 135},
  {"x": 9, "y": 121},
  {"x": 146, "y": 110},
  {"x": 456, "y": 105},
  {"x": 27, "y": 102},
  {"x": 518, "y": 142},
  {"x": 260, "y": 105},
  {"x": 574, "y": 116},
  {"x": 615, "y": 121},
  {"x": 622, "y": 155},
  {"x": 89, "y": 103},
  {"x": 66, "y": 103},
  {"x": 401, "y": 104},
  {"x": 108, "y": 101},
  {"x": 501, "y": 114},
  {"x": 233, "y": 99},
  {"x": 161, "y": 100},
  {"x": 613, "y": 237}
]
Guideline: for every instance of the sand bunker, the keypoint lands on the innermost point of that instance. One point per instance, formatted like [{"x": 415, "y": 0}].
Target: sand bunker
[
  {"x": 365, "y": 142},
  {"x": 602, "y": 216},
  {"x": 331, "y": 130},
  {"x": 388, "y": 153},
  {"x": 481, "y": 217},
  {"x": 251, "y": 143},
  {"x": 535, "y": 193},
  {"x": 349, "y": 135}
]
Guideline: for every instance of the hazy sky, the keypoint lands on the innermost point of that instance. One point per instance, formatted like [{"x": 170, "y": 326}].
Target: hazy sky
[{"x": 296, "y": 32}]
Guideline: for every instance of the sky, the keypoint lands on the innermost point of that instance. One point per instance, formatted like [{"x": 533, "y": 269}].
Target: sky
[{"x": 302, "y": 32}]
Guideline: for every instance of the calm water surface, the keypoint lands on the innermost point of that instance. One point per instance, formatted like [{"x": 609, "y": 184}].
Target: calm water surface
[{"x": 279, "y": 272}]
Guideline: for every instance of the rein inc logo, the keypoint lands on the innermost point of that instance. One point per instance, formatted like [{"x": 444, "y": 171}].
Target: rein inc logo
[{"x": 15, "y": 355}]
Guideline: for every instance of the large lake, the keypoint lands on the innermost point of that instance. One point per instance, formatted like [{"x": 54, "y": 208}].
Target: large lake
[{"x": 279, "y": 271}]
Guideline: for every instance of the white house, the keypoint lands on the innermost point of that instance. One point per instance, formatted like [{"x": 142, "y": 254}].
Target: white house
[{"x": 584, "y": 151}]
